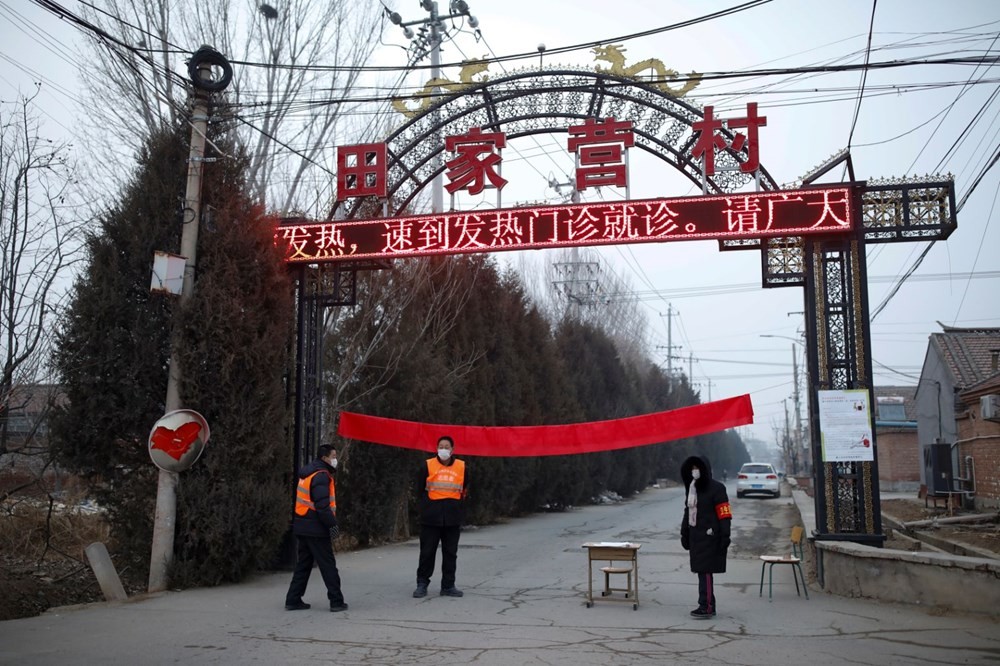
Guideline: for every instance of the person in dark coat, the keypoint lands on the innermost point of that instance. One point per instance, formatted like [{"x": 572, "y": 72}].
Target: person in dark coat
[
  {"x": 443, "y": 485},
  {"x": 314, "y": 526},
  {"x": 705, "y": 529}
]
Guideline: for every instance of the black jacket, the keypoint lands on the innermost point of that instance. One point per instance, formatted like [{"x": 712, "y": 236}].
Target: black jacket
[
  {"x": 316, "y": 523},
  {"x": 442, "y": 512},
  {"x": 708, "y": 539}
]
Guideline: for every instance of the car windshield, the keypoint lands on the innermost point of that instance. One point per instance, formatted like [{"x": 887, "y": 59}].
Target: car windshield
[{"x": 757, "y": 469}]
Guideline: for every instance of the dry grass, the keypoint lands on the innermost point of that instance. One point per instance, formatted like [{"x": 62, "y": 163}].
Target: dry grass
[
  {"x": 42, "y": 559},
  {"x": 39, "y": 529}
]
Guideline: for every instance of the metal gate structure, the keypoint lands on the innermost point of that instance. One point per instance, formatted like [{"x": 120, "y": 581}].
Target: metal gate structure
[{"x": 831, "y": 269}]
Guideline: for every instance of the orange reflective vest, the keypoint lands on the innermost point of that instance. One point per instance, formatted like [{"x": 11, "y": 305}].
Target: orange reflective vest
[
  {"x": 445, "y": 481},
  {"x": 303, "y": 498}
]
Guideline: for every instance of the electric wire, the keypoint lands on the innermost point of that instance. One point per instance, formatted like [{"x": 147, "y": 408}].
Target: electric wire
[
  {"x": 979, "y": 248},
  {"x": 864, "y": 77}
]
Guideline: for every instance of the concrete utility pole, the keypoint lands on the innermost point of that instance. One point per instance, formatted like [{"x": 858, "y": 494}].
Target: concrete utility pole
[
  {"x": 430, "y": 43},
  {"x": 437, "y": 189},
  {"x": 798, "y": 414},
  {"x": 164, "y": 523},
  {"x": 670, "y": 342},
  {"x": 800, "y": 461}
]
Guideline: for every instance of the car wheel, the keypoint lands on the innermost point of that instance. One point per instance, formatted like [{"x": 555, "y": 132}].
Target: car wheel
[{"x": 739, "y": 494}]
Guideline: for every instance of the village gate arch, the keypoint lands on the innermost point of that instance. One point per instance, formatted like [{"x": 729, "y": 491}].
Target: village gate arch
[{"x": 831, "y": 269}]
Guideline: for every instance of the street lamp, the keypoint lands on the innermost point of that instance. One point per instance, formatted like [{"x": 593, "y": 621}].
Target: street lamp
[{"x": 803, "y": 453}]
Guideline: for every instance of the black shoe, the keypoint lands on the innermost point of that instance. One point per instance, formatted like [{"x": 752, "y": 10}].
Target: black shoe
[
  {"x": 336, "y": 608},
  {"x": 702, "y": 614},
  {"x": 421, "y": 591},
  {"x": 298, "y": 605},
  {"x": 451, "y": 592}
]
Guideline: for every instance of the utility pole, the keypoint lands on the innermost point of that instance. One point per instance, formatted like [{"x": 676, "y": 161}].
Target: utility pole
[
  {"x": 798, "y": 414},
  {"x": 437, "y": 187},
  {"x": 432, "y": 32},
  {"x": 786, "y": 446},
  {"x": 200, "y": 69},
  {"x": 670, "y": 341}
]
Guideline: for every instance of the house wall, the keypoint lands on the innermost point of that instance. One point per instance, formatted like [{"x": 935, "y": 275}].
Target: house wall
[
  {"x": 980, "y": 440},
  {"x": 899, "y": 460},
  {"x": 935, "y": 406}
]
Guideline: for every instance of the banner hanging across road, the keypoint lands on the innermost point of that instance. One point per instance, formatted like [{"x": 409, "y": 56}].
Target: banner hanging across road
[{"x": 553, "y": 440}]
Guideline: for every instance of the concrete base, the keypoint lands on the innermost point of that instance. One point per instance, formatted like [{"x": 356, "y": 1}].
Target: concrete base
[
  {"x": 939, "y": 580},
  {"x": 969, "y": 584}
]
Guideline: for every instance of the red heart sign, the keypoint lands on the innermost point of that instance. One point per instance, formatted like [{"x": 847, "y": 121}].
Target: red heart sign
[{"x": 175, "y": 443}]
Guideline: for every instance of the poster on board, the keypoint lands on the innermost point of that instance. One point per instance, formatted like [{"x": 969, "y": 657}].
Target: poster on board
[{"x": 846, "y": 426}]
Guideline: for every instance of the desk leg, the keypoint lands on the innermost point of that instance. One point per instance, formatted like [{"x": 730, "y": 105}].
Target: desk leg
[
  {"x": 635, "y": 590},
  {"x": 590, "y": 582}
]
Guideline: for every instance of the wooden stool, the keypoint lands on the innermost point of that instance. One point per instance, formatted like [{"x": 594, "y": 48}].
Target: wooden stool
[{"x": 608, "y": 572}]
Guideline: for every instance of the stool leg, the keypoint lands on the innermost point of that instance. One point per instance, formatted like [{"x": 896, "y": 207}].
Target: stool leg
[
  {"x": 770, "y": 581},
  {"x": 760, "y": 592},
  {"x": 796, "y": 579}
]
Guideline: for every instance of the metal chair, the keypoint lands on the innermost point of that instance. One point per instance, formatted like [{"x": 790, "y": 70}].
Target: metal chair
[{"x": 795, "y": 560}]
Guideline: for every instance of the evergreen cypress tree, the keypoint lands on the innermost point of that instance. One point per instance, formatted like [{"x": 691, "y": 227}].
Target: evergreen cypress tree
[
  {"x": 234, "y": 503},
  {"x": 113, "y": 347}
]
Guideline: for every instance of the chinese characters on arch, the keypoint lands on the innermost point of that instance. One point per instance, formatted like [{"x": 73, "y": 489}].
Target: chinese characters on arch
[
  {"x": 600, "y": 147},
  {"x": 751, "y": 215}
]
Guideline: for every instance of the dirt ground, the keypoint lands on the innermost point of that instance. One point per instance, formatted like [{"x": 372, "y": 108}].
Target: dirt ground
[
  {"x": 42, "y": 559},
  {"x": 980, "y": 535}
]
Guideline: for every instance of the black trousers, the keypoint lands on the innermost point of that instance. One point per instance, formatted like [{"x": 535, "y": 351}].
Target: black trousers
[
  {"x": 706, "y": 592},
  {"x": 430, "y": 537},
  {"x": 320, "y": 551}
]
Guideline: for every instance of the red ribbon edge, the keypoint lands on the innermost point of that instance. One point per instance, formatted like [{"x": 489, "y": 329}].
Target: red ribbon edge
[{"x": 552, "y": 440}]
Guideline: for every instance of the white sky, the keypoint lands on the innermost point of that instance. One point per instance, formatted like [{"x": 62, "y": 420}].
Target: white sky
[{"x": 722, "y": 332}]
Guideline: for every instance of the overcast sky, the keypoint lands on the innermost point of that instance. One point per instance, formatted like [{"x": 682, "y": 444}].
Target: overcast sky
[{"x": 950, "y": 126}]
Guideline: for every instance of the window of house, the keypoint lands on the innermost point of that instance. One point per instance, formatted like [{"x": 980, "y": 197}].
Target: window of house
[{"x": 891, "y": 409}]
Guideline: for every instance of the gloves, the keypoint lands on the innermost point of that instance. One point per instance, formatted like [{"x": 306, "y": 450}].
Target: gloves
[{"x": 335, "y": 531}]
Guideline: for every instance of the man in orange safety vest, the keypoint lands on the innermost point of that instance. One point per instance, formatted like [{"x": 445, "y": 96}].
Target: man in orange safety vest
[
  {"x": 314, "y": 526},
  {"x": 444, "y": 485}
]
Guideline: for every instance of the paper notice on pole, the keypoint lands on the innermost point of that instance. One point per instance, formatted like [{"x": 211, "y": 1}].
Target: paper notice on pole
[{"x": 846, "y": 426}]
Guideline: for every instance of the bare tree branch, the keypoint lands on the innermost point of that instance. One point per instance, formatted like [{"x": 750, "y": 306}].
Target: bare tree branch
[
  {"x": 41, "y": 224},
  {"x": 131, "y": 93}
]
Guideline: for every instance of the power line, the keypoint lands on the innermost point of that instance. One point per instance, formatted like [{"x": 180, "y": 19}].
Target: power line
[
  {"x": 741, "y": 287},
  {"x": 864, "y": 76}
]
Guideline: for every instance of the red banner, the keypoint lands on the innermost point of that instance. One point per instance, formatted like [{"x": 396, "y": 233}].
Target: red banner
[{"x": 517, "y": 441}]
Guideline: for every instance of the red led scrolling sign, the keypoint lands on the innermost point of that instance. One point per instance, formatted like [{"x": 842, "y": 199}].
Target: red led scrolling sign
[{"x": 750, "y": 215}]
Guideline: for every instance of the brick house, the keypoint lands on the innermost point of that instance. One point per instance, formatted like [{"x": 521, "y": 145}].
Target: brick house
[
  {"x": 959, "y": 380},
  {"x": 978, "y": 444},
  {"x": 896, "y": 434},
  {"x": 24, "y": 437}
]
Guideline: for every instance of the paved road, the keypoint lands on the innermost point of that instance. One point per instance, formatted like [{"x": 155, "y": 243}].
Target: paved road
[{"x": 524, "y": 605}]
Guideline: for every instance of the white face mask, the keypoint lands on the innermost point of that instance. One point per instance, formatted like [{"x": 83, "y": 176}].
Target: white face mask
[
  {"x": 333, "y": 463},
  {"x": 444, "y": 454},
  {"x": 696, "y": 473}
]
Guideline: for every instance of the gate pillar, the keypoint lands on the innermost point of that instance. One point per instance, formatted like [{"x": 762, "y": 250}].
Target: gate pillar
[{"x": 846, "y": 493}]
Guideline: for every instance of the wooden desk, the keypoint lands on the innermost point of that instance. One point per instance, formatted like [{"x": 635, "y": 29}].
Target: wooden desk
[{"x": 611, "y": 552}]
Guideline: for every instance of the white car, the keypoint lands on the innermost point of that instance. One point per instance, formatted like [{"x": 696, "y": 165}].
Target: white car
[{"x": 758, "y": 478}]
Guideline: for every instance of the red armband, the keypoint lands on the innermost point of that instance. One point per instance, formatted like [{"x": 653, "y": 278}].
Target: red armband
[{"x": 722, "y": 511}]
